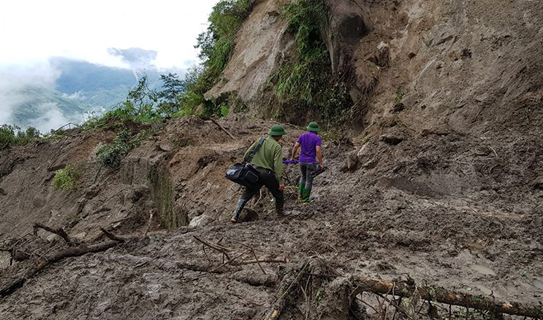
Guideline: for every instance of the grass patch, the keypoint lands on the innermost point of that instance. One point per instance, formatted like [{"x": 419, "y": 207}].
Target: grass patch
[{"x": 65, "y": 179}]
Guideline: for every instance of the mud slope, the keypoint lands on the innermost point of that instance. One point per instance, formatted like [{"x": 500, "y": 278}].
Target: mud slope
[{"x": 438, "y": 177}]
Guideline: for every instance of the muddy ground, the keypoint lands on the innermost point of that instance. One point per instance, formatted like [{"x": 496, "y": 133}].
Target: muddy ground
[
  {"x": 462, "y": 233},
  {"x": 436, "y": 177}
]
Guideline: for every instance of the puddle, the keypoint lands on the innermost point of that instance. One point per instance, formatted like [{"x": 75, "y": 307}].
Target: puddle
[
  {"x": 538, "y": 284},
  {"x": 482, "y": 269}
]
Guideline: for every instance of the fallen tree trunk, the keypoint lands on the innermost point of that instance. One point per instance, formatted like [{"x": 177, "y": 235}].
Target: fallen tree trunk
[
  {"x": 441, "y": 295},
  {"x": 80, "y": 250}
]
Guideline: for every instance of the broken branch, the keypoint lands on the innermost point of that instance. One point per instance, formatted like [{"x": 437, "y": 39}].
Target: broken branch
[
  {"x": 60, "y": 232},
  {"x": 214, "y": 246},
  {"x": 111, "y": 236},
  {"x": 40, "y": 265},
  {"x": 442, "y": 295},
  {"x": 222, "y": 128}
]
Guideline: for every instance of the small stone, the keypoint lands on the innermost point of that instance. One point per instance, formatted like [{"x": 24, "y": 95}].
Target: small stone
[
  {"x": 352, "y": 161},
  {"x": 398, "y": 107},
  {"x": 56, "y": 167},
  {"x": 92, "y": 192},
  {"x": 538, "y": 183},
  {"x": 411, "y": 55},
  {"x": 3, "y": 192},
  {"x": 200, "y": 221},
  {"x": 391, "y": 139},
  {"x": 165, "y": 147}
]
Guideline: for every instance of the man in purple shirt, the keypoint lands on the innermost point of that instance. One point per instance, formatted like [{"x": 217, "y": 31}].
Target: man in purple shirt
[{"x": 310, "y": 159}]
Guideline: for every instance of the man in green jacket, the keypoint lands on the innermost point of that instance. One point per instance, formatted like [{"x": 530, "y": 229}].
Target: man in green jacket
[{"x": 268, "y": 162}]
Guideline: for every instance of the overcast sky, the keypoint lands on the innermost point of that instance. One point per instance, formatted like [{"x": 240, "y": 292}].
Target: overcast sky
[{"x": 34, "y": 30}]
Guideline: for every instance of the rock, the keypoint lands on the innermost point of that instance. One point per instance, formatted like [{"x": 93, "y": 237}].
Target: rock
[
  {"x": 138, "y": 193},
  {"x": 92, "y": 192},
  {"x": 370, "y": 164},
  {"x": 391, "y": 139},
  {"x": 248, "y": 215},
  {"x": 411, "y": 55},
  {"x": 352, "y": 162},
  {"x": 538, "y": 183},
  {"x": 3, "y": 192},
  {"x": 56, "y": 167},
  {"x": 38, "y": 202},
  {"x": 398, "y": 107},
  {"x": 167, "y": 147},
  {"x": 200, "y": 221}
]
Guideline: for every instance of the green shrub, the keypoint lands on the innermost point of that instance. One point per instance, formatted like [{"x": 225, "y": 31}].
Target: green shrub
[
  {"x": 216, "y": 46},
  {"x": 65, "y": 179},
  {"x": 112, "y": 154},
  {"x": 307, "y": 80},
  {"x": 14, "y": 136},
  {"x": 399, "y": 95},
  {"x": 7, "y": 136}
]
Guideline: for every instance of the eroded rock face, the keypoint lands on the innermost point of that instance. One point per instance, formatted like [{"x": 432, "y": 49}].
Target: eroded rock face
[{"x": 261, "y": 43}]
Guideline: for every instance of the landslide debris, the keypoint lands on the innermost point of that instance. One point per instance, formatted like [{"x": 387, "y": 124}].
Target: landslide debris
[{"x": 435, "y": 181}]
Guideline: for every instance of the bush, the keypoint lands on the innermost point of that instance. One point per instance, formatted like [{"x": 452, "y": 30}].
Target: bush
[
  {"x": 14, "y": 136},
  {"x": 111, "y": 155},
  {"x": 216, "y": 46},
  {"x": 65, "y": 179},
  {"x": 307, "y": 80},
  {"x": 7, "y": 136}
]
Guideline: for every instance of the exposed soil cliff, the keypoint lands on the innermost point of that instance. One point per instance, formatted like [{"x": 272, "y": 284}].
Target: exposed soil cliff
[{"x": 437, "y": 176}]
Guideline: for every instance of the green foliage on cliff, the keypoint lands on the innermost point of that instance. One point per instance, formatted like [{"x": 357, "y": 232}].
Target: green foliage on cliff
[
  {"x": 307, "y": 79},
  {"x": 14, "y": 136},
  {"x": 65, "y": 179},
  {"x": 111, "y": 155},
  {"x": 216, "y": 46}
]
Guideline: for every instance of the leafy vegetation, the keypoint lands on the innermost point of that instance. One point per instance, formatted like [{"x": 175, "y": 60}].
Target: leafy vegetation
[
  {"x": 307, "y": 81},
  {"x": 65, "y": 179},
  {"x": 216, "y": 46},
  {"x": 111, "y": 155},
  {"x": 399, "y": 95},
  {"x": 14, "y": 136}
]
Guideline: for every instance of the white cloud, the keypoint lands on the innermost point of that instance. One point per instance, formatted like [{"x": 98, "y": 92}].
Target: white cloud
[
  {"x": 32, "y": 31},
  {"x": 52, "y": 118},
  {"x": 35, "y": 29},
  {"x": 14, "y": 80}
]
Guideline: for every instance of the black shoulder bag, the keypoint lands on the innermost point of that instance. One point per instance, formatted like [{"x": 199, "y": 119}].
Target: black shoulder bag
[{"x": 244, "y": 173}]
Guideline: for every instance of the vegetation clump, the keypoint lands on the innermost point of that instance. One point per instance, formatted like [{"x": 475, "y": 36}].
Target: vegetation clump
[
  {"x": 65, "y": 179},
  {"x": 216, "y": 46},
  {"x": 14, "y": 136},
  {"x": 111, "y": 155},
  {"x": 307, "y": 80}
]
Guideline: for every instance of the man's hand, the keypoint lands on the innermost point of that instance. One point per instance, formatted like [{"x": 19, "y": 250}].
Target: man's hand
[{"x": 281, "y": 187}]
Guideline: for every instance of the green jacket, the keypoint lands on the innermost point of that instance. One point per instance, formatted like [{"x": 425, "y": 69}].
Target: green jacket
[{"x": 269, "y": 156}]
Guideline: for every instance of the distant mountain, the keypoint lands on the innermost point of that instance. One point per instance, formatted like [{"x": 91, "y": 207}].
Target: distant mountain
[
  {"x": 81, "y": 87},
  {"x": 99, "y": 85},
  {"x": 45, "y": 109}
]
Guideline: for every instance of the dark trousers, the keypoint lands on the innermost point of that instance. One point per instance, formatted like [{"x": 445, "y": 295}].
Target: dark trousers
[
  {"x": 266, "y": 178},
  {"x": 307, "y": 169}
]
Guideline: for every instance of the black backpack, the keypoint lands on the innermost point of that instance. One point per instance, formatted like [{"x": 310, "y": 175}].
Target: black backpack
[{"x": 244, "y": 173}]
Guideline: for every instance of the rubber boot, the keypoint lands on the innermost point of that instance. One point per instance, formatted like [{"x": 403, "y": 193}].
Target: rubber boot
[
  {"x": 237, "y": 211},
  {"x": 301, "y": 191},
  {"x": 305, "y": 198}
]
